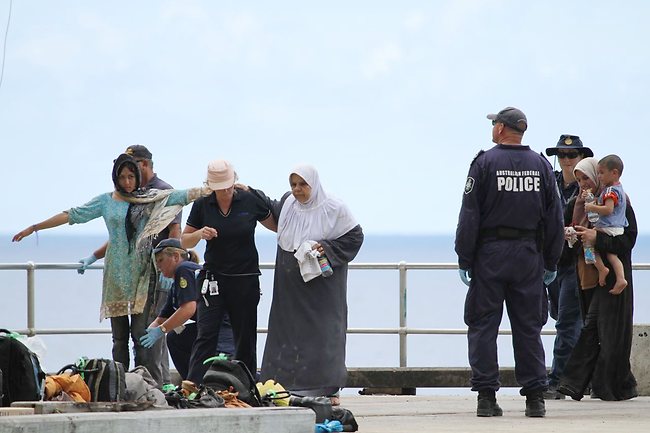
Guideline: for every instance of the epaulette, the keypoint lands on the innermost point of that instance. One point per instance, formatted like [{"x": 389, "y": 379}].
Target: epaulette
[
  {"x": 541, "y": 155},
  {"x": 480, "y": 152}
]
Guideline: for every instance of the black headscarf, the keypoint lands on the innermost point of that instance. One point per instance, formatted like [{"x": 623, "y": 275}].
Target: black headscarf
[{"x": 121, "y": 162}]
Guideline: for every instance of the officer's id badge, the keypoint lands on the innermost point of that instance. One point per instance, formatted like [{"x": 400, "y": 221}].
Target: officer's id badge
[
  {"x": 469, "y": 185},
  {"x": 204, "y": 286},
  {"x": 182, "y": 283},
  {"x": 213, "y": 288}
]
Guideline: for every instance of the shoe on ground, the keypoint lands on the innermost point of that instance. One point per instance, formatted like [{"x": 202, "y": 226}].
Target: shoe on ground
[
  {"x": 487, "y": 405},
  {"x": 567, "y": 390},
  {"x": 188, "y": 388},
  {"x": 535, "y": 406},
  {"x": 553, "y": 394}
]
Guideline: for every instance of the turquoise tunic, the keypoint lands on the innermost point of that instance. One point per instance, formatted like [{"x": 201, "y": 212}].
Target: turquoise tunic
[{"x": 126, "y": 274}]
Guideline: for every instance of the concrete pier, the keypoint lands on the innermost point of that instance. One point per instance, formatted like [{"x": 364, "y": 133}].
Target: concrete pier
[
  {"x": 455, "y": 414},
  {"x": 374, "y": 414},
  {"x": 258, "y": 420}
]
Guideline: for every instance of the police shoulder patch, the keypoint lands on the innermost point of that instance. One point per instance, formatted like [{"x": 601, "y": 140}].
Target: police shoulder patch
[
  {"x": 182, "y": 283},
  {"x": 469, "y": 185}
]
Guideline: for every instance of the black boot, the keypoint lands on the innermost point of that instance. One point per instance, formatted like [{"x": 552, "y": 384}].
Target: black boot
[
  {"x": 535, "y": 406},
  {"x": 553, "y": 394},
  {"x": 568, "y": 390},
  {"x": 322, "y": 406},
  {"x": 487, "y": 404}
]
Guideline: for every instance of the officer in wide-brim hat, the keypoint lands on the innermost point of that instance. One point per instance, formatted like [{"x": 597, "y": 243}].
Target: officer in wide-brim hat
[
  {"x": 569, "y": 142},
  {"x": 564, "y": 305}
]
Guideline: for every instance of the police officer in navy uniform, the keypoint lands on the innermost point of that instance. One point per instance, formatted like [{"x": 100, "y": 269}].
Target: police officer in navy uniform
[
  {"x": 563, "y": 299},
  {"x": 508, "y": 240},
  {"x": 177, "y": 318}
]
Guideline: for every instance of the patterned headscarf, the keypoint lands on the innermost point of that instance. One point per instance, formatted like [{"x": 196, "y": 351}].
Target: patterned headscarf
[{"x": 142, "y": 203}]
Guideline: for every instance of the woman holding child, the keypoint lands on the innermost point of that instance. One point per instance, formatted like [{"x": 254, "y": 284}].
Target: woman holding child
[{"x": 602, "y": 353}]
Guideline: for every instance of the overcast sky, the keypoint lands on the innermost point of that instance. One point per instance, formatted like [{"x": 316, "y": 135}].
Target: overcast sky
[{"x": 387, "y": 99}]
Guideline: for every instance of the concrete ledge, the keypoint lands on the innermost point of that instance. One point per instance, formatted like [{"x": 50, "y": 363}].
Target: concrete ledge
[
  {"x": 258, "y": 420},
  {"x": 640, "y": 356},
  {"x": 405, "y": 379},
  {"x": 419, "y": 377}
]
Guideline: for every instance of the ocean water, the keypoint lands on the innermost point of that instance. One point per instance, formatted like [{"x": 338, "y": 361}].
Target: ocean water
[{"x": 65, "y": 299}]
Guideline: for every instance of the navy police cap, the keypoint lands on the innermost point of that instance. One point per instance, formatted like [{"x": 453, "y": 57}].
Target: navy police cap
[
  {"x": 170, "y": 242},
  {"x": 568, "y": 141}
]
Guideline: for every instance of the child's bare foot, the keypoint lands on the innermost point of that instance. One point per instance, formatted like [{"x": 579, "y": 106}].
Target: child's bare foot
[
  {"x": 619, "y": 286},
  {"x": 602, "y": 275}
]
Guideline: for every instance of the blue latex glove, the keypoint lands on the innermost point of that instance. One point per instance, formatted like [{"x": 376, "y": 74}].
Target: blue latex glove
[
  {"x": 549, "y": 276},
  {"x": 150, "y": 338},
  {"x": 329, "y": 426},
  {"x": 465, "y": 276},
  {"x": 85, "y": 262},
  {"x": 165, "y": 283}
]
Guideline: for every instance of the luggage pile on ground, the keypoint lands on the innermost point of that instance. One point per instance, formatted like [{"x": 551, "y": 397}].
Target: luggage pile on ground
[{"x": 227, "y": 384}]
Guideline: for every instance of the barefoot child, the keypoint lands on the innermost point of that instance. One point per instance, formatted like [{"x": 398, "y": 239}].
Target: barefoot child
[{"x": 611, "y": 208}]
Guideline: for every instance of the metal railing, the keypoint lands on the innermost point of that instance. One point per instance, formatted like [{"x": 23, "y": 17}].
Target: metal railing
[{"x": 403, "y": 330}]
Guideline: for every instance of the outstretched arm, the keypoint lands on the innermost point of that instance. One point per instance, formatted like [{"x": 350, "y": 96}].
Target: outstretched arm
[
  {"x": 180, "y": 316},
  {"x": 55, "y": 221},
  {"x": 100, "y": 252}
]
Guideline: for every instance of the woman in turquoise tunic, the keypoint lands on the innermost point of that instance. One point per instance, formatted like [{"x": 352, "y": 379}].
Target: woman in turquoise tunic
[{"x": 132, "y": 217}]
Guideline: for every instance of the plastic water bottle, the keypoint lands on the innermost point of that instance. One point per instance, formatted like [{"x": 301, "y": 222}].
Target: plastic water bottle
[
  {"x": 590, "y": 254},
  {"x": 325, "y": 268},
  {"x": 591, "y": 216}
]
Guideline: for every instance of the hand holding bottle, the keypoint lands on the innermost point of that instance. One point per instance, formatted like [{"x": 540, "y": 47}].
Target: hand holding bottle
[
  {"x": 590, "y": 201},
  {"x": 325, "y": 267}
]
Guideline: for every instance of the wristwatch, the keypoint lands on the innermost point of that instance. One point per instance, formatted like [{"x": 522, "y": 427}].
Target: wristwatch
[{"x": 163, "y": 329}]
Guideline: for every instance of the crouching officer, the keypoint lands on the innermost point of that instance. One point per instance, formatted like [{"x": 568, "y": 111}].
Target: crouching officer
[
  {"x": 508, "y": 241},
  {"x": 173, "y": 261}
]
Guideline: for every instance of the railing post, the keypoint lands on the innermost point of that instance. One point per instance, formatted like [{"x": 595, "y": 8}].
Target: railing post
[
  {"x": 402, "y": 314},
  {"x": 30, "y": 298}
]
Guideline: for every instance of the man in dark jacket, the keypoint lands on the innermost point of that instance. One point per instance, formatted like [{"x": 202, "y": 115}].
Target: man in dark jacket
[{"x": 508, "y": 240}]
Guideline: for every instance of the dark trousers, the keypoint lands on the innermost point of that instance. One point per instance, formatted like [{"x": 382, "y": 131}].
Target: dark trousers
[
  {"x": 238, "y": 296},
  {"x": 180, "y": 345},
  {"x": 602, "y": 354},
  {"x": 568, "y": 319},
  {"x": 180, "y": 348},
  {"x": 159, "y": 354},
  {"x": 122, "y": 328},
  {"x": 134, "y": 326},
  {"x": 509, "y": 271}
]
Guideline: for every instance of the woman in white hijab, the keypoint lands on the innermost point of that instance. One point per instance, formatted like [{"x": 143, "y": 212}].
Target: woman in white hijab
[{"x": 305, "y": 347}]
